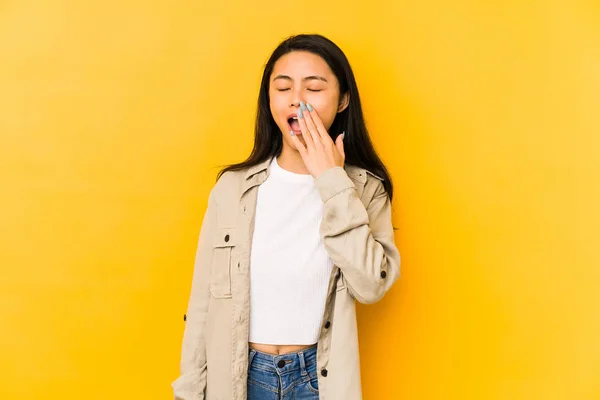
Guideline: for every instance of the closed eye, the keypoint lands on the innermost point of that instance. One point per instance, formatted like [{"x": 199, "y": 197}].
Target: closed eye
[{"x": 310, "y": 90}]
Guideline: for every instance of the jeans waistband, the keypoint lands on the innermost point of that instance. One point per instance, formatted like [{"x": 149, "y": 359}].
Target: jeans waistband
[{"x": 284, "y": 362}]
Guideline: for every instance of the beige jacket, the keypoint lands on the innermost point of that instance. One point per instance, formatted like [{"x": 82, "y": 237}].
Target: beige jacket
[{"x": 358, "y": 236}]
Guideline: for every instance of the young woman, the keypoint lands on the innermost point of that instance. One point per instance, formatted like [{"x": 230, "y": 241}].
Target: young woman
[{"x": 291, "y": 238}]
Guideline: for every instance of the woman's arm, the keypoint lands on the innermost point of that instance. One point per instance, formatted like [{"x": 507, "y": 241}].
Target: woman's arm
[
  {"x": 192, "y": 382},
  {"x": 359, "y": 240}
]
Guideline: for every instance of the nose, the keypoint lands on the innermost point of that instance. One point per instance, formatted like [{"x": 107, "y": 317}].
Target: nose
[{"x": 296, "y": 97}]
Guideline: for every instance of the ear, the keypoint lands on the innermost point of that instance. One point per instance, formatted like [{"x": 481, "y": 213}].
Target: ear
[{"x": 344, "y": 101}]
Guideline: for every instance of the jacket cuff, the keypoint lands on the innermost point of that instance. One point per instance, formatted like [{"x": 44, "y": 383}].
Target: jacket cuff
[
  {"x": 190, "y": 385},
  {"x": 333, "y": 181}
]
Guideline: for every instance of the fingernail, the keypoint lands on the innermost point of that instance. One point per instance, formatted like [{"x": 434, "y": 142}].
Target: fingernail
[
  {"x": 302, "y": 106},
  {"x": 300, "y": 112},
  {"x": 343, "y": 135},
  {"x": 309, "y": 107},
  {"x": 291, "y": 133}
]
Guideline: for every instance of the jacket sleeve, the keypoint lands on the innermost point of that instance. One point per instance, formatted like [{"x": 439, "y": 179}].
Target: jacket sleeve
[
  {"x": 359, "y": 239},
  {"x": 191, "y": 384}
]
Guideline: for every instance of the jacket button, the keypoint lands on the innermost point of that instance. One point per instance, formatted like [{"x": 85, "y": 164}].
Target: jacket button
[
  {"x": 184, "y": 317},
  {"x": 327, "y": 325},
  {"x": 281, "y": 364},
  {"x": 227, "y": 238},
  {"x": 383, "y": 274},
  {"x": 323, "y": 372}
]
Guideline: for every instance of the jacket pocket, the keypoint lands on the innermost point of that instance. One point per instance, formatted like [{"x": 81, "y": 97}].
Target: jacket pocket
[{"x": 220, "y": 282}]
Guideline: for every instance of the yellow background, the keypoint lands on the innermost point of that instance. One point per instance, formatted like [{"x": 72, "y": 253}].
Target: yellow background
[{"x": 114, "y": 115}]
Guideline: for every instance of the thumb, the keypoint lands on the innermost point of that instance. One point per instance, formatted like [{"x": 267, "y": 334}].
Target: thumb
[{"x": 339, "y": 144}]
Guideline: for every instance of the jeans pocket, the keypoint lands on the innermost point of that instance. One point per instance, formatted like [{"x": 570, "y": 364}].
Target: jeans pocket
[{"x": 312, "y": 384}]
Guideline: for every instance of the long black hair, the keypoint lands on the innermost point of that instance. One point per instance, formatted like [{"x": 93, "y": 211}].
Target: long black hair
[{"x": 358, "y": 147}]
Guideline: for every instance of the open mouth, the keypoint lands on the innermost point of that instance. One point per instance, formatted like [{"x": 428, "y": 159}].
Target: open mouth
[{"x": 294, "y": 125}]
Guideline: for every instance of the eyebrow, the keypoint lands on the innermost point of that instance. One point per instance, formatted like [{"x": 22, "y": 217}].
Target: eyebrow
[{"x": 308, "y": 78}]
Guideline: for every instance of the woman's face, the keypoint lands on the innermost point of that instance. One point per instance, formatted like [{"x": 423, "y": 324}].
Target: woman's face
[{"x": 303, "y": 76}]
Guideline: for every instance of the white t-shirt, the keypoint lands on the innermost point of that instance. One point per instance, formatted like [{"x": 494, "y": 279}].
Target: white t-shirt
[{"x": 289, "y": 266}]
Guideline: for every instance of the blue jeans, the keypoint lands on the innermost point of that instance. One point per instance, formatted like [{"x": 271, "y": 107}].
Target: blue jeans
[{"x": 283, "y": 377}]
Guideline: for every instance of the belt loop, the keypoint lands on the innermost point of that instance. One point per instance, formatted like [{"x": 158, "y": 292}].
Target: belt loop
[
  {"x": 302, "y": 363},
  {"x": 251, "y": 357}
]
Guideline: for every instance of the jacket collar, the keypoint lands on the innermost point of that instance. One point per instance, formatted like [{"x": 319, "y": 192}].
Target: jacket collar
[{"x": 258, "y": 168}]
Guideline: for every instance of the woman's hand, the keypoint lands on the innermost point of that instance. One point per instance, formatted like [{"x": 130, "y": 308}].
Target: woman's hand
[{"x": 320, "y": 152}]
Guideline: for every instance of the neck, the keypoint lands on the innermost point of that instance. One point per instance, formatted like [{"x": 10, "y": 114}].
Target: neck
[{"x": 291, "y": 160}]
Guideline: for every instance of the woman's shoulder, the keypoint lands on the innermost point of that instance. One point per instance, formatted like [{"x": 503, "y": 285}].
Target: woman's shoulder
[
  {"x": 362, "y": 174},
  {"x": 229, "y": 177},
  {"x": 371, "y": 183},
  {"x": 228, "y": 182},
  {"x": 236, "y": 175},
  {"x": 233, "y": 182}
]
